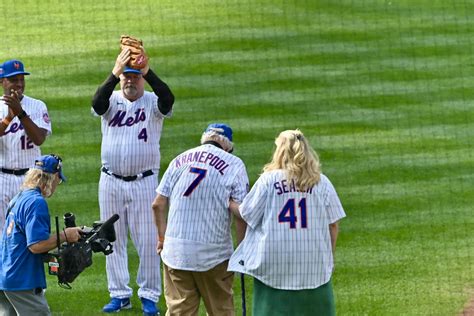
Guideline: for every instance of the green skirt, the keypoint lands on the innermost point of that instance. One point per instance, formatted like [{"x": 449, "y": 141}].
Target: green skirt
[{"x": 314, "y": 302}]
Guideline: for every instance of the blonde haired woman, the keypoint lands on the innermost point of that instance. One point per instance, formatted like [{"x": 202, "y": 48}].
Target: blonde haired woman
[{"x": 292, "y": 213}]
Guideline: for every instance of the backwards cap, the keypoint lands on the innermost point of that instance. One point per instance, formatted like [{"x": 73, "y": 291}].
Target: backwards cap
[
  {"x": 221, "y": 129},
  {"x": 50, "y": 164}
]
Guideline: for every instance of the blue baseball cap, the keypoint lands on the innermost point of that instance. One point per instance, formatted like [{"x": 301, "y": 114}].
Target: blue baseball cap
[
  {"x": 221, "y": 129},
  {"x": 50, "y": 164},
  {"x": 131, "y": 70},
  {"x": 12, "y": 68}
]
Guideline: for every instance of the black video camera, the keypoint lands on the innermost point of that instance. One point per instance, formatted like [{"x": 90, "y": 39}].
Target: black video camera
[
  {"x": 99, "y": 237},
  {"x": 72, "y": 258}
]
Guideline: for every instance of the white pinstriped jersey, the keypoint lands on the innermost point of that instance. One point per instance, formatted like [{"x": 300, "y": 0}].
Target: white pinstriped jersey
[
  {"x": 199, "y": 184},
  {"x": 17, "y": 151},
  {"x": 131, "y": 134},
  {"x": 287, "y": 244}
]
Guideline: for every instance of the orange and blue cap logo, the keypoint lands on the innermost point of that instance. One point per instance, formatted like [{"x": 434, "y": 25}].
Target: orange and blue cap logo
[
  {"x": 46, "y": 118},
  {"x": 16, "y": 65}
]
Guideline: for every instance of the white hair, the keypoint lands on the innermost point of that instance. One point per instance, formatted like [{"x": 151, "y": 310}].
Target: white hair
[{"x": 214, "y": 136}]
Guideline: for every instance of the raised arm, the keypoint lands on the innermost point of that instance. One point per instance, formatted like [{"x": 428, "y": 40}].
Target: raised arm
[
  {"x": 100, "y": 101},
  {"x": 161, "y": 89},
  {"x": 6, "y": 121},
  {"x": 36, "y": 134}
]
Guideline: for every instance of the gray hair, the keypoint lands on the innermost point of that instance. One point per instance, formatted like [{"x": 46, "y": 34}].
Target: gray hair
[{"x": 211, "y": 135}]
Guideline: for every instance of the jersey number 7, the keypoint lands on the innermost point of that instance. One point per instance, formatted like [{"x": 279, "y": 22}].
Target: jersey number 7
[{"x": 201, "y": 173}]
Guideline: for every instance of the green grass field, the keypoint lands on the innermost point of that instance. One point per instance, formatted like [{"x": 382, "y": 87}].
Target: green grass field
[{"x": 383, "y": 89}]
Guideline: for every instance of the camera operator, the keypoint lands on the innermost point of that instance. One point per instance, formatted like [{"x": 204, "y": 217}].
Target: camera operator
[{"x": 26, "y": 236}]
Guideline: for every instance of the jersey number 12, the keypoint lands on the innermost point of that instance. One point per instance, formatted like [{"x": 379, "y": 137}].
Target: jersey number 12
[{"x": 26, "y": 143}]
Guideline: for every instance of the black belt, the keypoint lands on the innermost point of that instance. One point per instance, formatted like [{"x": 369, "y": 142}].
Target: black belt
[
  {"x": 16, "y": 172},
  {"x": 128, "y": 178}
]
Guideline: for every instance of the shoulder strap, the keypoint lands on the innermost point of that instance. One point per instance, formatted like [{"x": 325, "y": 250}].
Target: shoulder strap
[{"x": 12, "y": 203}]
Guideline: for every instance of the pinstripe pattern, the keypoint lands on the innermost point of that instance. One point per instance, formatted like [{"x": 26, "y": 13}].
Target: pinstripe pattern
[
  {"x": 132, "y": 203},
  {"x": 12, "y": 154},
  {"x": 131, "y": 133},
  {"x": 283, "y": 257},
  {"x": 16, "y": 151},
  {"x": 123, "y": 152},
  {"x": 198, "y": 234},
  {"x": 9, "y": 187}
]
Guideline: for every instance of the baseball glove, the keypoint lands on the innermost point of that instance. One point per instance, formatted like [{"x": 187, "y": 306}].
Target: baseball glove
[{"x": 138, "y": 57}]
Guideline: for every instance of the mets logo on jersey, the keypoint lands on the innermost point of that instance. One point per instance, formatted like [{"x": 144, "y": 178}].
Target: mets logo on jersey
[
  {"x": 46, "y": 118},
  {"x": 16, "y": 65}
]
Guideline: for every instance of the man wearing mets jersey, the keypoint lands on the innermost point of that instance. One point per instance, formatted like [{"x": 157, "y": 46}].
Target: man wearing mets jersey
[
  {"x": 24, "y": 126},
  {"x": 196, "y": 242},
  {"x": 132, "y": 120},
  {"x": 292, "y": 213}
]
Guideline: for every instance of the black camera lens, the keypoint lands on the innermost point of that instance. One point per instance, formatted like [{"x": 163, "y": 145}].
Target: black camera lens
[
  {"x": 69, "y": 220},
  {"x": 103, "y": 245}
]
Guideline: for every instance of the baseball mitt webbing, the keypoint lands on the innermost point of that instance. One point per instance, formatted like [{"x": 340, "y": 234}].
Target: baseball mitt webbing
[{"x": 138, "y": 57}]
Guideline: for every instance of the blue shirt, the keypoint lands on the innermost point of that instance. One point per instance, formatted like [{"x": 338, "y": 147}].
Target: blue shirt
[{"x": 27, "y": 223}]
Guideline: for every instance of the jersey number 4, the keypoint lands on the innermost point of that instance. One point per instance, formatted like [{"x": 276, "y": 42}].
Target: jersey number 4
[
  {"x": 143, "y": 135},
  {"x": 201, "y": 173},
  {"x": 288, "y": 213}
]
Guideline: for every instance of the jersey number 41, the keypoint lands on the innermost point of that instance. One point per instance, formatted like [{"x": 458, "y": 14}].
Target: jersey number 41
[{"x": 288, "y": 213}]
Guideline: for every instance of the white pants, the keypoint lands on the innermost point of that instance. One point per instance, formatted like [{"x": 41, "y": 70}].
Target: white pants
[
  {"x": 132, "y": 202},
  {"x": 9, "y": 187}
]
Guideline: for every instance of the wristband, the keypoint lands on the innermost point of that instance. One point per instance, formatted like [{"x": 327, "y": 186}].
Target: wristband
[
  {"x": 161, "y": 239},
  {"x": 6, "y": 121},
  {"x": 22, "y": 115}
]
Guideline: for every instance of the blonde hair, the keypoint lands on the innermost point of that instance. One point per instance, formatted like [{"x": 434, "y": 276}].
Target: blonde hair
[
  {"x": 36, "y": 178},
  {"x": 294, "y": 155},
  {"x": 211, "y": 135}
]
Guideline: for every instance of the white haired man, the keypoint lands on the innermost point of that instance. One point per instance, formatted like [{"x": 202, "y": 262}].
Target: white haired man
[
  {"x": 132, "y": 122},
  {"x": 196, "y": 243}
]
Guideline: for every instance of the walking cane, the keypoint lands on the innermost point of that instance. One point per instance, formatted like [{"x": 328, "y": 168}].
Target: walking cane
[{"x": 242, "y": 284}]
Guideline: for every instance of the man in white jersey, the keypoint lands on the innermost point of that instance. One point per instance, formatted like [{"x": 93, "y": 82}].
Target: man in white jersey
[
  {"x": 132, "y": 120},
  {"x": 24, "y": 127},
  {"x": 196, "y": 243},
  {"x": 292, "y": 213}
]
